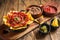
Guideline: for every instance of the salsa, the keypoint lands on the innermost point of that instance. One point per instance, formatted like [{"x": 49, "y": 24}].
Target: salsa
[{"x": 49, "y": 9}]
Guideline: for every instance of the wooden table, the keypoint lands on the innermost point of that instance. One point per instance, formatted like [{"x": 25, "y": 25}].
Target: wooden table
[{"x": 7, "y": 5}]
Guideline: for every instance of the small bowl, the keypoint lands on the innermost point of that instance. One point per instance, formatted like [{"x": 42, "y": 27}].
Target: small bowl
[
  {"x": 52, "y": 27},
  {"x": 35, "y": 15},
  {"x": 48, "y": 28},
  {"x": 49, "y": 13}
]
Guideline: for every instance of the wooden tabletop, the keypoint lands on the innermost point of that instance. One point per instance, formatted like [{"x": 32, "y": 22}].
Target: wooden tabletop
[{"x": 8, "y": 5}]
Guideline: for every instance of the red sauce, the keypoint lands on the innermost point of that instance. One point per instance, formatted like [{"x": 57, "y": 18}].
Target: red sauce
[
  {"x": 17, "y": 18},
  {"x": 49, "y": 9}
]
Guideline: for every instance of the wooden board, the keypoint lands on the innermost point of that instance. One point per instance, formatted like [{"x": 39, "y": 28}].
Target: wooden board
[
  {"x": 14, "y": 35},
  {"x": 11, "y": 35}
]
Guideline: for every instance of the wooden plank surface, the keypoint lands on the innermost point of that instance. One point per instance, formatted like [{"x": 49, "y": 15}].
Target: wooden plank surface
[{"x": 19, "y": 5}]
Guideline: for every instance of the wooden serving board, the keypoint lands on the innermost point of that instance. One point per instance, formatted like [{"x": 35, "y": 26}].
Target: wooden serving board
[{"x": 11, "y": 35}]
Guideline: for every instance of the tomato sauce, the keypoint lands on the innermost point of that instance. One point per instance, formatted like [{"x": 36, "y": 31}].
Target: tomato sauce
[{"x": 49, "y": 9}]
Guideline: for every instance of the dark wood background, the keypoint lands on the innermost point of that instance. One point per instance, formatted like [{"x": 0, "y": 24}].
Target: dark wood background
[{"x": 8, "y": 5}]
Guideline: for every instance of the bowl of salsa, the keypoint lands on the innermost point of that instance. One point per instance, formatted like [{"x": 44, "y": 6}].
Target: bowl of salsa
[{"x": 49, "y": 10}]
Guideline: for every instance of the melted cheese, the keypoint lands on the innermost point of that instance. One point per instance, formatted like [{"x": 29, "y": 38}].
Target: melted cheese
[{"x": 18, "y": 28}]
